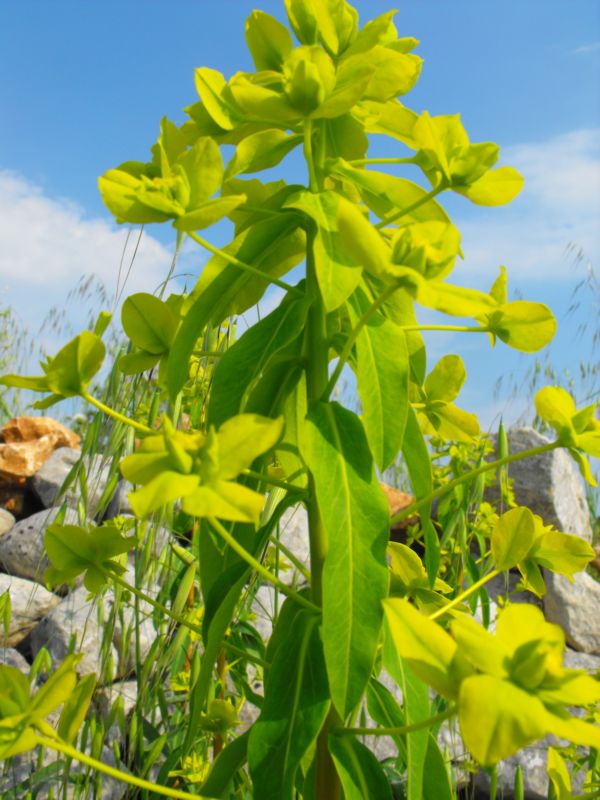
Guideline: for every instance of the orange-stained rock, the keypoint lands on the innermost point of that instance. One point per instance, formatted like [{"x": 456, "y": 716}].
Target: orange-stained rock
[
  {"x": 398, "y": 501},
  {"x": 23, "y": 459},
  {"x": 28, "y": 429}
]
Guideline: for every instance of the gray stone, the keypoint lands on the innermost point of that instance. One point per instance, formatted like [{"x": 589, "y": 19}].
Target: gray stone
[
  {"x": 29, "y": 603},
  {"x": 6, "y": 521},
  {"x": 124, "y": 636},
  {"x": 22, "y": 548},
  {"x": 548, "y": 484},
  {"x": 107, "y": 696},
  {"x": 266, "y": 604},
  {"x": 293, "y": 535},
  {"x": 534, "y": 765},
  {"x": 48, "y": 481},
  {"x": 75, "y": 618},
  {"x": 12, "y": 658},
  {"x": 119, "y": 504},
  {"x": 587, "y": 661},
  {"x": 574, "y": 606}
]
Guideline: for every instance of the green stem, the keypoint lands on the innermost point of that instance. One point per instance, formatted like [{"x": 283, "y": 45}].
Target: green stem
[
  {"x": 124, "y": 777},
  {"x": 242, "y": 265},
  {"x": 260, "y": 568},
  {"x": 309, "y": 156},
  {"x": 353, "y": 335},
  {"x": 448, "y": 487},
  {"x": 463, "y": 595},
  {"x": 155, "y": 603},
  {"x": 259, "y": 476},
  {"x": 110, "y": 412},
  {"x": 291, "y": 557},
  {"x": 396, "y": 215},
  {"x": 450, "y": 328},
  {"x": 400, "y": 730},
  {"x": 361, "y": 162}
]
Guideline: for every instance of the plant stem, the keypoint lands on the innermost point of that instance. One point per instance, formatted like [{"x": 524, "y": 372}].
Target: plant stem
[
  {"x": 156, "y": 604},
  {"x": 396, "y": 215},
  {"x": 447, "y": 328},
  {"x": 463, "y": 595},
  {"x": 442, "y": 490},
  {"x": 400, "y": 730},
  {"x": 110, "y": 412},
  {"x": 124, "y": 777},
  {"x": 260, "y": 568},
  {"x": 242, "y": 265},
  {"x": 262, "y": 478}
]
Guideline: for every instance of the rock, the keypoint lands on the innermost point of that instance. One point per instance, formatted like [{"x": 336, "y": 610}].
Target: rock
[
  {"x": 574, "y": 606},
  {"x": 27, "y": 429},
  {"x": 29, "y": 603},
  {"x": 587, "y": 661},
  {"x": 398, "y": 501},
  {"x": 12, "y": 658},
  {"x": 28, "y": 442},
  {"x": 76, "y": 618},
  {"x": 119, "y": 505},
  {"x": 48, "y": 482},
  {"x": 549, "y": 484},
  {"x": 6, "y": 521},
  {"x": 265, "y": 604},
  {"x": 13, "y": 495},
  {"x": 534, "y": 765},
  {"x": 107, "y": 696},
  {"x": 22, "y": 548}
]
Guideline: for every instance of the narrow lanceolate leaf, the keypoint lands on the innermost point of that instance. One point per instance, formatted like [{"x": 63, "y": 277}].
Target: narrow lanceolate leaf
[
  {"x": 436, "y": 782},
  {"x": 360, "y": 772},
  {"x": 296, "y": 704},
  {"x": 243, "y": 364},
  {"x": 355, "y": 516},
  {"x": 416, "y": 455},
  {"x": 382, "y": 369}
]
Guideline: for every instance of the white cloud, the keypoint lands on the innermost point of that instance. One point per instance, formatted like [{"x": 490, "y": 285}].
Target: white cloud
[
  {"x": 584, "y": 49},
  {"x": 47, "y": 244},
  {"x": 559, "y": 205}
]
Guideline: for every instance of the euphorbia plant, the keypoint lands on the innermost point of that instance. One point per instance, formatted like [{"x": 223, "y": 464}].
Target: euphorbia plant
[{"x": 374, "y": 247}]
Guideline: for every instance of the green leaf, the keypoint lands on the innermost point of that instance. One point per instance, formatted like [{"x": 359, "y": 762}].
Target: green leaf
[
  {"x": 524, "y": 325},
  {"x": 273, "y": 246},
  {"x": 355, "y": 517},
  {"x": 559, "y": 775},
  {"x": 446, "y": 379},
  {"x": 165, "y": 488},
  {"x": 512, "y": 538},
  {"x": 14, "y": 691},
  {"x": 148, "y": 322},
  {"x": 57, "y": 689},
  {"x": 73, "y": 367},
  {"x": 206, "y": 214},
  {"x": 139, "y": 361},
  {"x": 416, "y": 456},
  {"x": 436, "y": 782},
  {"x": 562, "y": 552},
  {"x": 242, "y": 439},
  {"x": 395, "y": 73},
  {"x": 381, "y": 30},
  {"x": 250, "y": 356},
  {"x": 225, "y": 767},
  {"x": 75, "y": 708},
  {"x": 203, "y": 167},
  {"x": 211, "y": 85},
  {"x": 225, "y": 500},
  {"x": 382, "y": 369},
  {"x": 556, "y": 406},
  {"x": 338, "y": 272},
  {"x": 497, "y": 718},
  {"x": 268, "y": 40},
  {"x": 384, "y": 709},
  {"x": 496, "y": 188},
  {"x": 119, "y": 191},
  {"x": 428, "y": 649},
  {"x": 360, "y": 772},
  {"x": 260, "y": 151},
  {"x": 295, "y": 706}
]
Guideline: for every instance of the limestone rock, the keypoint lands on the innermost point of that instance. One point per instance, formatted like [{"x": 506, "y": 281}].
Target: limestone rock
[
  {"x": 22, "y": 548},
  {"x": 29, "y": 603},
  {"x": 28, "y": 442},
  {"x": 574, "y": 606},
  {"x": 587, "y": 661},
  {"x": 12, "y": 658},
  {"x": 549, "y": 484},
  {"x": 48, "y": 482},
  {"x": 75, "y": 617},
  {"x": 27, "y": 429},
  {"x": 6, "y": 521},
  {"x": 107, "y": 696}
]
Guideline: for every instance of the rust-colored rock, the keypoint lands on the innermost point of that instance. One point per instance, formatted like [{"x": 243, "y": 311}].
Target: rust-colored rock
[
  {"x": 28, "y": 429},
  {"x": 397, "y": 502},
  {"x": 28, "y": 442}
]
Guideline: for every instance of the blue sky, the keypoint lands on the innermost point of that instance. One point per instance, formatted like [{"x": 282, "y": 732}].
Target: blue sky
[{"x": 83, "y": 86}]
